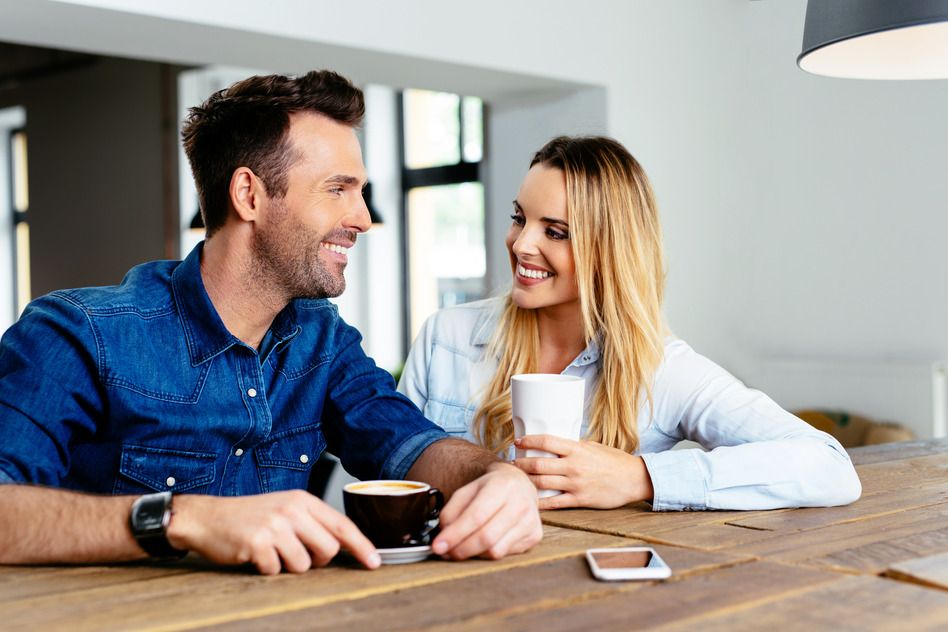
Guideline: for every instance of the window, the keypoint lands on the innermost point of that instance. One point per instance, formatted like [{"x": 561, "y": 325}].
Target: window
[
  {"x": 20, "y": 202},
  {"x": 443, "y": 234}
]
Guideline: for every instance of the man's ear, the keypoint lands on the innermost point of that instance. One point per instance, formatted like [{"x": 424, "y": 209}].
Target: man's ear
[{"x": 246, "y": 194}]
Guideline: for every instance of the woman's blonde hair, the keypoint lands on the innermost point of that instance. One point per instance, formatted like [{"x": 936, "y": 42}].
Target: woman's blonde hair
[{"x": 616, "y": 244}]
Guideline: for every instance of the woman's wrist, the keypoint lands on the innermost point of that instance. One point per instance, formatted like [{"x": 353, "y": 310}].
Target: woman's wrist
[{"x": 641, "y": 486}]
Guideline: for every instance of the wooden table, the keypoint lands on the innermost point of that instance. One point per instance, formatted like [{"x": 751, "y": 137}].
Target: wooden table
[{"x": 881, "y": 563}]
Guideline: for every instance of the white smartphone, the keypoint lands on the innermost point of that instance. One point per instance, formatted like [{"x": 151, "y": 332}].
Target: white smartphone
[{"x": 634, "y": 562}]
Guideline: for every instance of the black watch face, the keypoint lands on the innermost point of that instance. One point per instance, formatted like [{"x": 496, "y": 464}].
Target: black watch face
[{"x": 150, "y": 514}]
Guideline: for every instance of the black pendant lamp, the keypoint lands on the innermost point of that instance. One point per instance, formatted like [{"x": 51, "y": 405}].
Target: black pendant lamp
[
  {"x": 876, "y": 39},
  {"x": 373, "y": 214}
]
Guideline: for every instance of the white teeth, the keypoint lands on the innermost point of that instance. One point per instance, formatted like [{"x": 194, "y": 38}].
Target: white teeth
[
  {"x": 533, "y": 274},
  {"x": 334, "y": 247}
]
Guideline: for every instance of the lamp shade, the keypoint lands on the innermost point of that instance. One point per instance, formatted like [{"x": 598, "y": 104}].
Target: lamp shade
[{"x": 876, "y": 39}]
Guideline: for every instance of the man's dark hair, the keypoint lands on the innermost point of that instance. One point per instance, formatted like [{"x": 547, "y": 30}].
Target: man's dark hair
[{"x": 246, "y": 125}]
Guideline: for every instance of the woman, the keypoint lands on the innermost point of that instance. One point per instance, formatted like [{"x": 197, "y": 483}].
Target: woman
[{"x": 586, "y": 256}]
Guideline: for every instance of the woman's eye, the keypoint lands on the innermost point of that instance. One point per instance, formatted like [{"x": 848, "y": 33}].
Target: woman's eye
[
  {"x": 518, "y": 219},
  {"x": 555, "y": 234}
]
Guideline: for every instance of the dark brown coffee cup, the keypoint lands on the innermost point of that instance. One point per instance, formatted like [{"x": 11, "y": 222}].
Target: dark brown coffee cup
[{"x": 394, "y": 514}]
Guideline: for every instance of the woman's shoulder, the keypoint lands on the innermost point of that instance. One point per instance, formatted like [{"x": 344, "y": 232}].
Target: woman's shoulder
[
  {"x": 465, "y": 325},
  {"x": 684, "y": 368}
]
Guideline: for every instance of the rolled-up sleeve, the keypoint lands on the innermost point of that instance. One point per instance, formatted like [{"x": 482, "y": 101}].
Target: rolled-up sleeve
[
  {"x": 758, "y": 455},
  {"x": 376, "y": 432},
  {"x": 48, "y": 390}
]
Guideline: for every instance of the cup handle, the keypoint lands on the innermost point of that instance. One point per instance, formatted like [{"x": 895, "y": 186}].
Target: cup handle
[{"x": 431, "y": 530}]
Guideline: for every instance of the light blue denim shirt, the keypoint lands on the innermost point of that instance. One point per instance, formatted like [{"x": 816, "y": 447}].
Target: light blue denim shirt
[{"x": 756, "y": 455}]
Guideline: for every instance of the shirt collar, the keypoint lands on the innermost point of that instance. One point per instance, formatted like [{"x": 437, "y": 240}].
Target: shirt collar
[
  {"x": 487, "y": 321},
  {"x": 203, "y": 328},
  {"x": 589, "y": 355}
]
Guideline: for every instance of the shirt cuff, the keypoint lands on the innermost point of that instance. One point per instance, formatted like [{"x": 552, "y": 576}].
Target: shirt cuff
[
  {"x": 397, "y": 465},
  {"x": 6, "y": 478},
  {"x": 678, "y": 480}
]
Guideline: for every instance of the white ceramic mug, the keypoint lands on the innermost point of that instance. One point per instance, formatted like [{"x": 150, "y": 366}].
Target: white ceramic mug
[{"x": 545, "y": 403}]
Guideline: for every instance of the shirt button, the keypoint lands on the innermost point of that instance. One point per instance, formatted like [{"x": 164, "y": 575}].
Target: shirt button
[
  {"x": 252, "y": 392},
  {"x": 239, "y": 452},
  {"x": 170, "y": 481},
  {"x": 304, "y": 458}
]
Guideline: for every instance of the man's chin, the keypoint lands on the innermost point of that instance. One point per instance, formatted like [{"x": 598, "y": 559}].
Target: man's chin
[{"x": 333, "y": 291}]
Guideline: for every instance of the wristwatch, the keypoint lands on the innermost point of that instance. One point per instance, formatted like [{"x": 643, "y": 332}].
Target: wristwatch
[{"x": 149, "y": 520}]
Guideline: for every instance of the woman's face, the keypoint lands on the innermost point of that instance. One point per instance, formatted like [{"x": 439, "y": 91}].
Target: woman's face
[{"x": 538, "y": 241}]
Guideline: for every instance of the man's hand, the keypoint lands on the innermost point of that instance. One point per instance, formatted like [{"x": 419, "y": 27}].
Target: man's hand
[
  {"x": 493, "y": 516},
  {"x": 293, "y": 530},
  {"x": 588, "y": 473}
]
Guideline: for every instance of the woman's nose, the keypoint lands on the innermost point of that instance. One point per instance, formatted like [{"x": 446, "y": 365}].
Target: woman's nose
[{"x": 525, "y": 243}]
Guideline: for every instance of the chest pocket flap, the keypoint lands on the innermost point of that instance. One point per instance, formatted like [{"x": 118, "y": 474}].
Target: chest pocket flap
[
  {"x": 295, "y": 449},
  {"x": 161, "y": 469}
]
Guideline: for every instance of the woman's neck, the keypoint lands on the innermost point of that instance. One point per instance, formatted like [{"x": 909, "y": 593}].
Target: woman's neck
[{"x": 561, "y": 336}]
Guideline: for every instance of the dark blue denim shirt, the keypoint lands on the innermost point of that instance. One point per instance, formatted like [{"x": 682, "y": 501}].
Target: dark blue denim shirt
[{"x": 139, "y": 387}]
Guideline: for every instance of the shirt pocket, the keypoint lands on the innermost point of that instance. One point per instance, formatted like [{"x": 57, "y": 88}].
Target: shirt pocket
[
  {"x": 286, "y": 459},
  {"x": 454, "y": 419},
  {"x": 143, "y": 470}
]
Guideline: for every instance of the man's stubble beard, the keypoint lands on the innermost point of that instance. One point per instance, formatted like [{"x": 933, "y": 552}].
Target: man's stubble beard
[{"x": 286, "y": 255}]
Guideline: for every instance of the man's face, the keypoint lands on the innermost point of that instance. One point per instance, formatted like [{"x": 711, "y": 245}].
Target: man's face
[{"x": 302, "y": 240}]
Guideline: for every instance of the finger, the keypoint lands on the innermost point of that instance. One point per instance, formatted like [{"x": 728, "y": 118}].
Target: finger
[
  {"x": 266, "y": 559},
  {"x": 529, "y": 540},
  {"x": 477, "y": 514},
  {"x": 542, "y": 465},
  {"x": 503, "y": 546},
  {"x": 560, "y": 501},
  {"x": 548, "y": 443},
  {"x": 345, "y": 533},
  {"x": 318, "y": 541},
  {"x": 501, "y": 530},
  {"x": 547, "y": 481},
  {"x": 457, "y": 504},
  {"x": 296, "y": 558}
]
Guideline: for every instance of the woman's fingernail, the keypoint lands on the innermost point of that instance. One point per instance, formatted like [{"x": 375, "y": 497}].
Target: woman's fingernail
[
  {"x": 439, "y": 547},
  {"x": 375, "y": 560}
]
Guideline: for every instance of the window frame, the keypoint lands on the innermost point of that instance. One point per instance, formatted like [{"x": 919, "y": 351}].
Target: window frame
[{"x": 460, "y": 172}]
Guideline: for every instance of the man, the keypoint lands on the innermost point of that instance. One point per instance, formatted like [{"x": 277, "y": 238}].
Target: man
[{"x": 223, "y": 377}]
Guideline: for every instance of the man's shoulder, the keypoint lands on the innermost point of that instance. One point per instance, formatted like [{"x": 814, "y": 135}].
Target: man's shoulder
[{"x": 146, "y": 289}]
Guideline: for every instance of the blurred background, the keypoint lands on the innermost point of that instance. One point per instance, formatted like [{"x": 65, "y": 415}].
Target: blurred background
[{"x": 805, "y": 217}]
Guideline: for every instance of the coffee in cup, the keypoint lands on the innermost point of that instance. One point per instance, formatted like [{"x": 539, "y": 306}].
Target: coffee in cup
[{"x": 394, "y": 514}]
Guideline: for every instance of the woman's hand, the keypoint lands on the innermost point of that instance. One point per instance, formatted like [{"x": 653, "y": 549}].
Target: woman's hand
[{"x": 588, "y": 473}]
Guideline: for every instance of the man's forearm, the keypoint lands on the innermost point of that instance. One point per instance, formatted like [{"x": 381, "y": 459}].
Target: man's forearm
[
  {"x": 450, "y": 464},
  {"x": 41, "y": 525}
]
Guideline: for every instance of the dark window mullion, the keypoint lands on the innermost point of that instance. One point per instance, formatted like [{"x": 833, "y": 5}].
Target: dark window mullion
[{"x": 434, "y": 176}]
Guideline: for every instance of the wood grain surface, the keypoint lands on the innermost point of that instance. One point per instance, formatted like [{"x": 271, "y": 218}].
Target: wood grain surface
[{"x": 880, "y": 563}]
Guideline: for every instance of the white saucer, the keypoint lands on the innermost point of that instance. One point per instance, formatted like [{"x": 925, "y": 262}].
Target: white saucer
[{"x": 405, "y": 555}]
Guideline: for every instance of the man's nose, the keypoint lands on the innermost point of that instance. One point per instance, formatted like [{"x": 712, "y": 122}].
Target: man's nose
[{"x": 359, "y": 219}]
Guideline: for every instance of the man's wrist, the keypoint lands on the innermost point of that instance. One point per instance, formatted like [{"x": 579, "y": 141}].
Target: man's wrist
[{"x": 180, "y": 530}]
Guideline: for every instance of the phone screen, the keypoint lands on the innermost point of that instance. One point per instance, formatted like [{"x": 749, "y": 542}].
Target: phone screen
[{"x": 623, "y": 559}]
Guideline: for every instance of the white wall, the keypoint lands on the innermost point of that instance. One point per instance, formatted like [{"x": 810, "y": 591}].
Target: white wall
[{"x": 803, "y": 216}]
